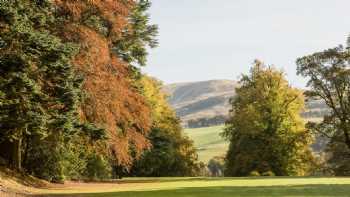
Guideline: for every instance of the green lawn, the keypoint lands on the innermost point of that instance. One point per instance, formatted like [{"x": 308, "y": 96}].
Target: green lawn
[
  {"x": 208, "y": 142},
  {"x": 210, "y": 187}
]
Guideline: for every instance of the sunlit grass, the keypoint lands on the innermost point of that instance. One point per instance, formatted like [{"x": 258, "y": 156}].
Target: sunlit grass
[
  {"x": 208, "y": 142},
  {"x": 208, "y": 187}
]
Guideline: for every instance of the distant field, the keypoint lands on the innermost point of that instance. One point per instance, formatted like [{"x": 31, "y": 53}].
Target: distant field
[
  {"x": 208, "y": 187},
  {"x": 208, "y": 142}
]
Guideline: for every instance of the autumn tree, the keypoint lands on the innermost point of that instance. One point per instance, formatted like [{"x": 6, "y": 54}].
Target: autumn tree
[
  {"x": 113, "y": 37},
  {"x": 70, "y": 72},
  {"x": 172, "y": 153},
  {"x": 265, "y": 130}
]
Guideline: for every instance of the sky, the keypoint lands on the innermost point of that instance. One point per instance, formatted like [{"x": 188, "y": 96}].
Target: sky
[{"x": 220, "y": 39}]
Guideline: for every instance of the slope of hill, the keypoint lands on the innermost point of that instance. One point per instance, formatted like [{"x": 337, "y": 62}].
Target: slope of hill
[{"x": 201, "y": 100}]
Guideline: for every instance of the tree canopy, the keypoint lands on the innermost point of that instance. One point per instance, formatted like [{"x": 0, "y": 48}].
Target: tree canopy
[
  {"x": 329, "y": 80},
  {"x": 113, "y": 37},
  {"x": 265, "y": 130},
  {"x": 172, "y": 153},
  {"x": 71, "y": 88},
  {"x": 39, "y": 89}
]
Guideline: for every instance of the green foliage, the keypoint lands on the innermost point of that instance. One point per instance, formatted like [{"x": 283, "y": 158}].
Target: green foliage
[
  {"x": 329, "y": 80},
  {"x": 132, "y": 48},
  {"x": 268, "y": 173},
  {"x": 39, "y": 91},
  {"x": 338, "y": 159},
  {"x": 44, "y": 158},
  {"x": 216, "y": 166},
  {"x": 97, "y": 168},
  {"x": 172, "y": 153},
  {"x": 254, "y": 173},
  {"x": 265, "y": 130},
  {"x": 98, "y": 24}
]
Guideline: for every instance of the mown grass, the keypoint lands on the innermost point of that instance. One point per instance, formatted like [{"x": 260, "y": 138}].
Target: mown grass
[
  {"x": 215, "y": 187},
  {"x": 208, "y": 142}
]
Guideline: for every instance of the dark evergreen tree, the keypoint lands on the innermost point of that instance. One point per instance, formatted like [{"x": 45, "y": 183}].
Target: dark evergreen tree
[{"x": 39, "y": 90}]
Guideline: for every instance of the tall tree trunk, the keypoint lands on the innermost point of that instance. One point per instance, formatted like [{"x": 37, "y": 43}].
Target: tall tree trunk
[
  {"x": 347, "y": 139},
  {"x": 25, "y": 145},
  {"x": 17, "y": 154},
  {"x": 345, "y": 129}
]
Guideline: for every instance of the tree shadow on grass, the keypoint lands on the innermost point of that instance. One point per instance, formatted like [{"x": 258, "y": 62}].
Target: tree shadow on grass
[
  {"x": 319, "y": 190},
  {"x": 203, "y": 179}
]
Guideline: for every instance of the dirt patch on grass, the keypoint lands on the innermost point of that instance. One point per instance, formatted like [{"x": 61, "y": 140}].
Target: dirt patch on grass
[{"x": 18, "y": 184}]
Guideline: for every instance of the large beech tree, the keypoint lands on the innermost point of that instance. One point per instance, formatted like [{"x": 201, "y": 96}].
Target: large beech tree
[
  {"x": 265, "y": 130},
  {"x": 113, "y": 37}
]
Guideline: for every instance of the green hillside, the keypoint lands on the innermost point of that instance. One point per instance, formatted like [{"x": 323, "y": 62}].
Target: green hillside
[{"x": 208, "y": 142}]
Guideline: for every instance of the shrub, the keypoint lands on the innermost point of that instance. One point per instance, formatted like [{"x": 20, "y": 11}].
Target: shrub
[
  {"x": 254, "y": 173},
  {"x": 268, "y": 173},
  {"x": 97, "y": 168}
]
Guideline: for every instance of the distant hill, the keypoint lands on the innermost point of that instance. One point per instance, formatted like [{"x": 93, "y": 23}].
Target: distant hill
[
  {"x": 206, "y": 103},
  {"x": 203, "y": 104},
  {"x": 201, "y": 100}
]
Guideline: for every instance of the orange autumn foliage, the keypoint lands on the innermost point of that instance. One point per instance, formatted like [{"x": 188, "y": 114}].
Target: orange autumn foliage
[
  {"x": 116, "y": 12},
  {"x": 112, "y": 102}
]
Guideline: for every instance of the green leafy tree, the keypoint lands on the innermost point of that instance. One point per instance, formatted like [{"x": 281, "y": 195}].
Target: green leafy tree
[
  {"x": 265, "y": 130},
  {"x": 338, "y": 157},
  {"x": 97, "y": 168},
  {"x": 172, "y": 153},
  {"x": 329, "y": 80}
]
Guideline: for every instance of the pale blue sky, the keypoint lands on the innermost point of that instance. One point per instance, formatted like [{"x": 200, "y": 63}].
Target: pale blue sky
[{"x": 219, "y": 39}]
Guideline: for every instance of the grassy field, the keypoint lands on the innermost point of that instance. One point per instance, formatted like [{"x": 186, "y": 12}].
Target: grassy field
[
  {"x": 208, "y": 142},
  {"x": 209, "y": 187}
]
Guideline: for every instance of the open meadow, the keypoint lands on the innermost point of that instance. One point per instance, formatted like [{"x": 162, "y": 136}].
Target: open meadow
[
  {"x": 208, "y": 142},
  {"x": 207, "y": 187}
]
